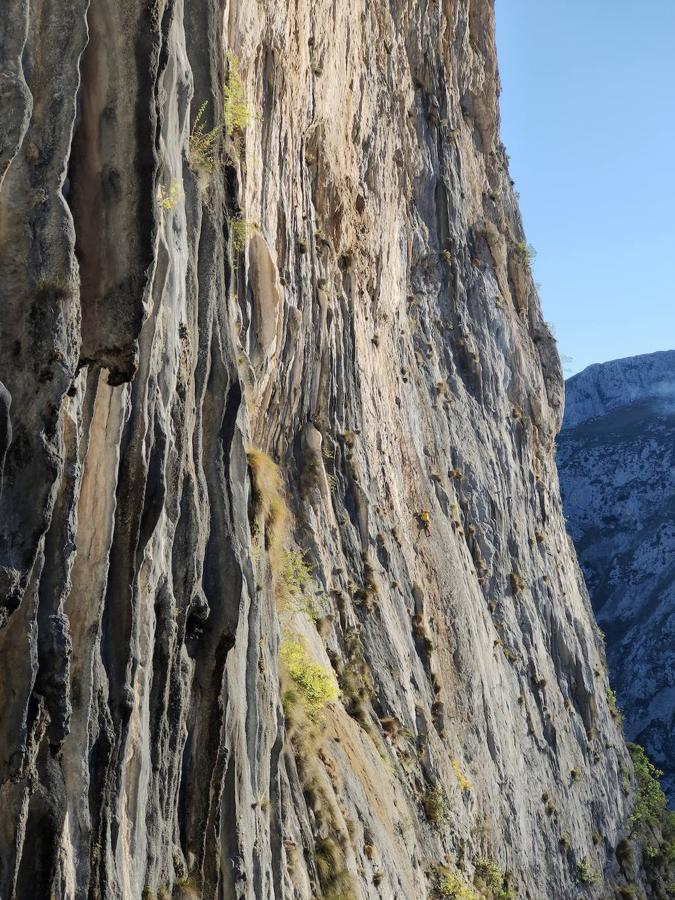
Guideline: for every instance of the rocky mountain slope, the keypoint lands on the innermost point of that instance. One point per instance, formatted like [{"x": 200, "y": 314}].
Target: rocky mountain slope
[
  {"x": 288, "y": 608},
  {"x": 617, "y": 471}
]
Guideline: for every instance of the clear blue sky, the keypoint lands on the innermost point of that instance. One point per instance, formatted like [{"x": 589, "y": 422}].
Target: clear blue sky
[{"x": 588, "y": 119}]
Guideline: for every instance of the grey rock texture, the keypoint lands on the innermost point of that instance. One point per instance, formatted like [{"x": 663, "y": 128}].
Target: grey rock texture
[
  {"x": 346, "y": 290},
  {"x": 617, "y": 471}
]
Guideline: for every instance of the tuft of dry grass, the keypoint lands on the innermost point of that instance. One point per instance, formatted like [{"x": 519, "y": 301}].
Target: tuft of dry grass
[
  {"x": 336, "y": 881},
  {"x": 463, "y": 782},
  {"x": 273, "y": 521}
]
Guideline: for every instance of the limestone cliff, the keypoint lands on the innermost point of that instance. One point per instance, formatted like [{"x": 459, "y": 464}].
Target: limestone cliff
[
  {"x": 617, "y": 471},
  {"x": 326, "y": 265}
]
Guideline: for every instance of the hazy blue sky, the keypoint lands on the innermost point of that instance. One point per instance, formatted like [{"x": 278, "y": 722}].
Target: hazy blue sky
[{"x": 588, "y": 118}]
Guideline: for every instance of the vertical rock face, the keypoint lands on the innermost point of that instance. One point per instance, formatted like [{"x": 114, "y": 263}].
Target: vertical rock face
[
  {"x": 617, "y": 471},
  {"x": 338, "y": 278}
]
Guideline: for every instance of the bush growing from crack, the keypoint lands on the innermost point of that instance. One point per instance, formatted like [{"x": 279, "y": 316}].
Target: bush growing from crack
[
  {"x": 202, "y": 143},
  {"x": 463, "y": 782},
  {"x": 614, "y": 710},
  {"x": 168, "y": 200},
  {"x": 435, "y": 805},
  {"x": 526, "y": 252},
  {"x": 236, "y": 113},
  {"x": 236, "y": 116},
  {"x": 650, "y": 810},
  {"x": 297, "y": 590},
  {"x": 241, "y": 231},
  {"x": 315, "y": 685},
  {"x": 586, "y": 873},
  {"x": 272, "y": 525},
  {"x": 451, "y": 885},
  {"x": 491, "y": 877}
]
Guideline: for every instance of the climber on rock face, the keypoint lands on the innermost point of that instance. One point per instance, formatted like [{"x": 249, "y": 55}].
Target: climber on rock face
[{"x": 424, "y": 521}]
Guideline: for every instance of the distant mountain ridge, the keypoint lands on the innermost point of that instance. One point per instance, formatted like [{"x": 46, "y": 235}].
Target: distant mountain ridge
[
  {"x": 604, "y": 387},
  {"x": 616, "y": 459}
]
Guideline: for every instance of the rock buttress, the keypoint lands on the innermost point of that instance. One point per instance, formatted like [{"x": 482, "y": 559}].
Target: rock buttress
[{"x": 336, "y": 275}]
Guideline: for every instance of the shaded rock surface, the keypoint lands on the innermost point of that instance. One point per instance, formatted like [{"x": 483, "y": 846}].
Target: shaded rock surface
[
  {"x": 616, "y": 457},
  {"x": 348, "y": 291}
]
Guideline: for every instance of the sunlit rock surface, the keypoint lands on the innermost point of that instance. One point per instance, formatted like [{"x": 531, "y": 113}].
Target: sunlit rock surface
[{"x": 347, "y": 290}]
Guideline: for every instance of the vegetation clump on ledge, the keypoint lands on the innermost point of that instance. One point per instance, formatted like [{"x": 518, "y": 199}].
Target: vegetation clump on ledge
[
  {"x": 463, "y": 782},
  {"x": 652, "y": 823},
  {"x": 202, "y": 145},
  {"x": 451, "y": 886},
  {"x": 241, "y": 231},
  {"x": 272, "y": 517},
  {"x": 297, "y": 591},
  {"x": 586, "y": 872},
  {"x": 650, "y": 801},
  {"x": 493, "y": 881},
  {"x": 315, "y": 685},
  {"x": 236, "y": 113},
  {"x": 526, "y": 252},
  {"x": 203, "y": 142},
  {"x": 435, "y": 804}
]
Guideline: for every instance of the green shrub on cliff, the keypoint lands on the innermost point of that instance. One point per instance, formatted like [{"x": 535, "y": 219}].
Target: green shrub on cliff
[
  {"x": 315, "y": 685},
  {"x": 614, "y": 710},
  {"x": 202, "y": 147},
  {"x": 435, "y": 805},
  {"x": 297, "y": 590},
  {"x": 650, "y": 801},
  {"x": 451, "y": 886},
  {"x": 493, "y": 880},
  {"x": 203, "y": 141},
  {"x": 235, "y": 108},
  {"x": 526, "y": 252},
  {"x": 586, "y": 873},
  {"x": 653, "y": 824}
]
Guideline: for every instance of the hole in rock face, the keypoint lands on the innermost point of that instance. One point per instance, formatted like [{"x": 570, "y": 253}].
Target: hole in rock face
[
  {"x": 198, "y": 614},
  {"x": 194, "y": 627}
]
